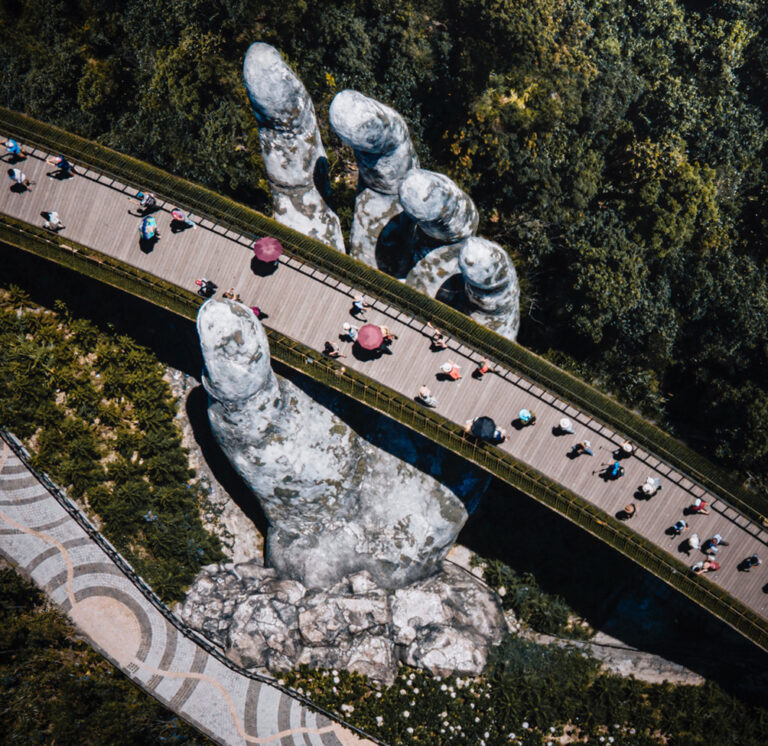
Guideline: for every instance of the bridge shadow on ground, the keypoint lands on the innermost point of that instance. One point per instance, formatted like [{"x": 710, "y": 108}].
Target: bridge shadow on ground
[{"x": 612, "y": 593}]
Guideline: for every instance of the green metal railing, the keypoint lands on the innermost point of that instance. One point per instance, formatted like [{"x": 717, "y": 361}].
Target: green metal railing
[
  {"x": 243, "y": 219},
  {"x": 301, "y": 358}
]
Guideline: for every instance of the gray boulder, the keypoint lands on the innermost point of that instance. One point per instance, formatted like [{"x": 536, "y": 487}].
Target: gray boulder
[
  {"x": 336, "y": 504},
  {"x": 446, "y": 623},
  {"x": 381, "y": 235},
  {"x": 291, "y": 148}
]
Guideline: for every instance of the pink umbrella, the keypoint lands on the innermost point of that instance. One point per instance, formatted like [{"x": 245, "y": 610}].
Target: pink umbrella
[
  {"x": 267, "y": 249},
  {"x": 370, "y": 337}
]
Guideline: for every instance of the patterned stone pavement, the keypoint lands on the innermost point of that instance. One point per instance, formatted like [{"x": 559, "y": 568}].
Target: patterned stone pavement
[{"x": 49, "y": 546}]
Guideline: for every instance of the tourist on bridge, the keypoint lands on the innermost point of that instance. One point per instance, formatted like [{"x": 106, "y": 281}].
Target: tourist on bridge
[
  {"x": 359, "y": 307},
  {"x": 53, "y": 223},
  {"x": 148, "y": 229},
  {"x": 630, "y": 511},
  {"x": 712, "y": 546},
  {"x": 482, "y": 369},
  {"x": 694, "y": 542},
  {"x": 624, "y": 450},
  {"x": 438, "y": 340},
  {"x": 679, "y": 527},
  {"x": 651, "y": 486},
  {"x": 584, "y": 447},
  {"x": 450, "y": 370},
  {"x": 707, "y": 565},
  {"x": 64, "y": 169},
  {"x": 331, "y": 349},
  {"x": 749, "y": 562},
  {"x": 20, "y": 181},
  {"x": 180, "y": 221},
  {"x": 14, "y": 149},
  {"x": 350, "y": 331},
  {"x": 147, "y": 202},
  {"x": 613, "y": 471},
  {"x": 425, "y": 397},
  {"x": 387, "y": 334},
  {"x": 565, "y": 426},
  {"x": 699, "y": 506},
  {"x": 207, "y": 287},
  {"x": 526, "y": 417}
]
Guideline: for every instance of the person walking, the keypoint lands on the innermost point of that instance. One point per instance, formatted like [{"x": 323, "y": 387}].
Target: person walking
[
  {"x": 206, "y": 287},
  {"x": 53, "y": 223},
  {"x": 438, "y": 340},
  {"x": 679, "y": 527},
  {"x": 14, "y": 149},
  {"x": 425, "y": 397},
  {"x": 451, "y": 370},
  {"x": 749, "y": 562},
  {"x": 331, "y": 349},
  {"x": 350, "y": 331},
  {"x": 64, "y": 169},
  {"x": 584, "y": 447},
  {"x": 615, "y": 470},
  {"x": 699, "y": 506},
  {"x": 147, "y": 201},
  {"x": 19, "y": 179},
  {"x": 359, "y": 307},
  {"x": 148, "y": 229},
  {"x": 180, "y": 221},
  {"x": 705, "y": 566},
  {"x": 482, "y": 368}
]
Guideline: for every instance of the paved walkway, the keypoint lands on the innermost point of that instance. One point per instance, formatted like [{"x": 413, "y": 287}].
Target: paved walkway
[
  {"x": 44, "y": 541},
  {"x": 310, "y": 306}
]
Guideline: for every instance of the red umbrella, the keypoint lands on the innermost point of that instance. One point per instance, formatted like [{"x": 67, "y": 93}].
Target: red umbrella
[
  {"x": 370, "y": 337},
  {"x": 267, "y": 249}
]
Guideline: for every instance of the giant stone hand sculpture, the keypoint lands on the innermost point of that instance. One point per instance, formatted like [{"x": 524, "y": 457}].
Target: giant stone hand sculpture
[
  {"x": 291, "y": 148},
  {"x": 336, "y": 504},
  {"x": 381, "y": 234}
]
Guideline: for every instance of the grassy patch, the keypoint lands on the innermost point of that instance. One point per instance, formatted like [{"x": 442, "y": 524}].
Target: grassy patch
[{"x": 97, "y": 416}]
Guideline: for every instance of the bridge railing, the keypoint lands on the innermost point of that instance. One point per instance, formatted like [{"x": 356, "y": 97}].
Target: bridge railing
[
  {"x": 247, "y": 221},
  {"x": 301, "y": 358}
]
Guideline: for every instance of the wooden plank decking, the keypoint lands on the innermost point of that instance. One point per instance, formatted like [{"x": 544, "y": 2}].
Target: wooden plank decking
[{"x": 304, "y": 303}]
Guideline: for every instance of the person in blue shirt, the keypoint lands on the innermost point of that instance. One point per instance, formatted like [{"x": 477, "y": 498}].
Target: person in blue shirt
[
  {"x": 148, "y": 229},
  {"x": 14, "y": 149},
  {"x": 65, "y": 168}
]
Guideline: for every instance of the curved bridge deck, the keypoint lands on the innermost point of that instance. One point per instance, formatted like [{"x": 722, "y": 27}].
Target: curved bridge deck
[{"x": 310, "y": 306}]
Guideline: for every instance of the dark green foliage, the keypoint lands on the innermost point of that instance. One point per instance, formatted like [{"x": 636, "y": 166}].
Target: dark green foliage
[
  {"x": 100, "y": 419},
  {"x": 56, "y": 689},
  {"x": 533, "y": 694},
  {"x": 520, "y": 593}
]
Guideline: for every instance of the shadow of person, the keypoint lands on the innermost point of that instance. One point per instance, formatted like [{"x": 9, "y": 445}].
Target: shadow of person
[
  {"x": 147, "y": 245},
  {"x": 263, "y": 269},
  {"x": 18, "y": 188},
  {"x": 363, "y": 355},
  {"x": 684, "y": 546},
  {"x": 60, "y": 175},
  {"x": 178, "y": 226}
]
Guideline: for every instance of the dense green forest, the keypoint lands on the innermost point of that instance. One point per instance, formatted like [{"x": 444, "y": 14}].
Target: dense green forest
[{"x": 617, "y": 149}]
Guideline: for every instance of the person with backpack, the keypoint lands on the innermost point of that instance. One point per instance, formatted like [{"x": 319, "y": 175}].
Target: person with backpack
[{"x": 147, "y": 202}]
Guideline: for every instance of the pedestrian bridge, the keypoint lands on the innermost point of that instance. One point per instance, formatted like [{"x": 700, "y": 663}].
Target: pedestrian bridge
[{"x": 307, "y": 300}]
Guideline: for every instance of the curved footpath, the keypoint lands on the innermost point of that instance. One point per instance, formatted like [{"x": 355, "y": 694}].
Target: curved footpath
[{"x": 48, "y": 545}]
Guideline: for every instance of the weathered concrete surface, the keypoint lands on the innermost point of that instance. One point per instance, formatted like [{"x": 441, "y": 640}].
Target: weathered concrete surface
[
  {"x": 446, "y": 623},
  {"x": 336, "y": 504},
  {"x": 381, "y": 234},
  {"x": 293, "y": 153}
]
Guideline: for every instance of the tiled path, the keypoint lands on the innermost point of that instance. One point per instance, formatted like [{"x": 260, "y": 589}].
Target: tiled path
[{"x": 45, "y": 542}]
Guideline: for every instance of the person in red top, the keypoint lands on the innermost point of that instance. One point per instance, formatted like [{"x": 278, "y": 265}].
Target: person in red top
[{"x": 700, "y": 506}]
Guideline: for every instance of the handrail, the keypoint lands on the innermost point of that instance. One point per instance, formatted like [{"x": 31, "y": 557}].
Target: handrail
[
  {"x": 243, "y": 219},
  {"x": 93, "y": 533},
  {"x": 425, "y": 421}
]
